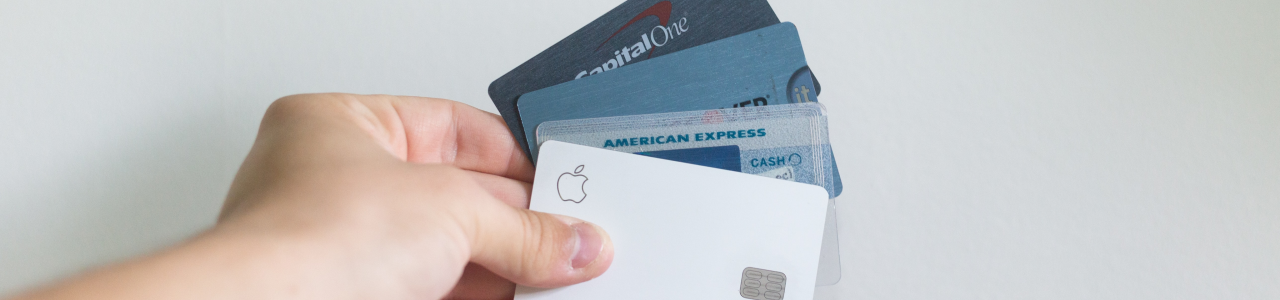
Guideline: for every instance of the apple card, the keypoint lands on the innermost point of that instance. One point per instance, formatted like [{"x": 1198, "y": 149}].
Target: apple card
[{"x": 683, "y": 231}]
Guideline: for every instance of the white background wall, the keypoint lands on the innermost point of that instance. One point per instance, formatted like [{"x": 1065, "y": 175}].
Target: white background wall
[{"x": 991, "y": 149}]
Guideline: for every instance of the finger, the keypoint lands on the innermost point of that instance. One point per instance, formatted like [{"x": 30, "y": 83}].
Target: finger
[
  {"x": 443, "y": 131},
  {"x": 479, "y": 283},
  {"x": 419, "y": 130},
  {"x": 538, "y": 249},
  {"x": 512, "y": 192}
]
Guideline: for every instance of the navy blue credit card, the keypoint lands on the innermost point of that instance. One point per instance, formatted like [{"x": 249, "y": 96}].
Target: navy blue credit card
[
  {"x": 722, "y": 157},
  {"x": 635, "y": 31}
]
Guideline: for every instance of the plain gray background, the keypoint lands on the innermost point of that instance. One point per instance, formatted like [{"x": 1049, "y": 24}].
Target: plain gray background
[{"x": 991, "y": 149}]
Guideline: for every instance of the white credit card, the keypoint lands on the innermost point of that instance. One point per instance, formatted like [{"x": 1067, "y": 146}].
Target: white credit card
[{"x": 683, "y": 231}]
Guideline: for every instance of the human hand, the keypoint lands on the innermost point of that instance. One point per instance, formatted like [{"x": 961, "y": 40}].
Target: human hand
[
  {"x": 413, "y": 189},
  {"x": 348, "y": 196}
]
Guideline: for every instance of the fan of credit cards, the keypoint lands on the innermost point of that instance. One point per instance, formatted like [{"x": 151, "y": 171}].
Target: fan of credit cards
[{"x": 717, "y": 83}]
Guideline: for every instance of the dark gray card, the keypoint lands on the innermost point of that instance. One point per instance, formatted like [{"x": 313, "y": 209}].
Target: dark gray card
[{"x": 634, "y": 31}]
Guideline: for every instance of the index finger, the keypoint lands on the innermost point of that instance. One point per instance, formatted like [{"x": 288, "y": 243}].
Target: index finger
[{"x": 429, "y": 130}]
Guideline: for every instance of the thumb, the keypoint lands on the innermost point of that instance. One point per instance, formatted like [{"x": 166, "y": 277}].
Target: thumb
[{"x": 539, "y": 249}]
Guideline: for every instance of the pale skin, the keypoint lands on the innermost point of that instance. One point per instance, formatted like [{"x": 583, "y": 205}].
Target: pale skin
[{"x": 367, "y": 197}]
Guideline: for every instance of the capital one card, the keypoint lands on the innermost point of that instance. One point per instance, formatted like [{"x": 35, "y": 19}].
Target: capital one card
[
  {"x": 762, "y": 67},
  {"x": 682, "y": 231},
  {"x": 634, "y": 31}
]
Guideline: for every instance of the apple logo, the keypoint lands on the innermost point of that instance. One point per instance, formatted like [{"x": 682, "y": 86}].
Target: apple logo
[{"x": 571, "y": 186}]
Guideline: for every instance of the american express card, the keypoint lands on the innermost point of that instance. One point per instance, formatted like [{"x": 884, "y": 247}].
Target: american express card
[
  {"x": 634, "y": 31},
  {"x": 682, "y": 231},
  {"x": 721, "y": 157},
  {"x": 787, "y": 141}
]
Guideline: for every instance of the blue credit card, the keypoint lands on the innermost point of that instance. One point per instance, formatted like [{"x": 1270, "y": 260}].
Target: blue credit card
[
  {"x": 632, "y": 32},
  {"x": 761, "y": 67},
  {"x": 722, "y": 157},
  {"x": 785, "y": 141}
]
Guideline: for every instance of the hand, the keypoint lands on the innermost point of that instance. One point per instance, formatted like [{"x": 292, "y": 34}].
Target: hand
[{"x": 346, "y": 196}]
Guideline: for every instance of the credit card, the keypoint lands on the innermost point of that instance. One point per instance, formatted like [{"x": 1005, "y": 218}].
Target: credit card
[
  {"x": 723, "y": 157},
  {"x": 758, "y": 68},
  {"x": 750, "y": 69},
  {"x": 682, "y": 231},
  {"x": 635, "y": 31},
  {"x": 786, "y": 141},
  {"x": 773, "y": 141}
]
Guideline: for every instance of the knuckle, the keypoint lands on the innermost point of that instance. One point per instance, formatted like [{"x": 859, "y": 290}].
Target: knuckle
[
  {"x": 299, "y": 103},
  {"x": 288, "y": 106}
]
